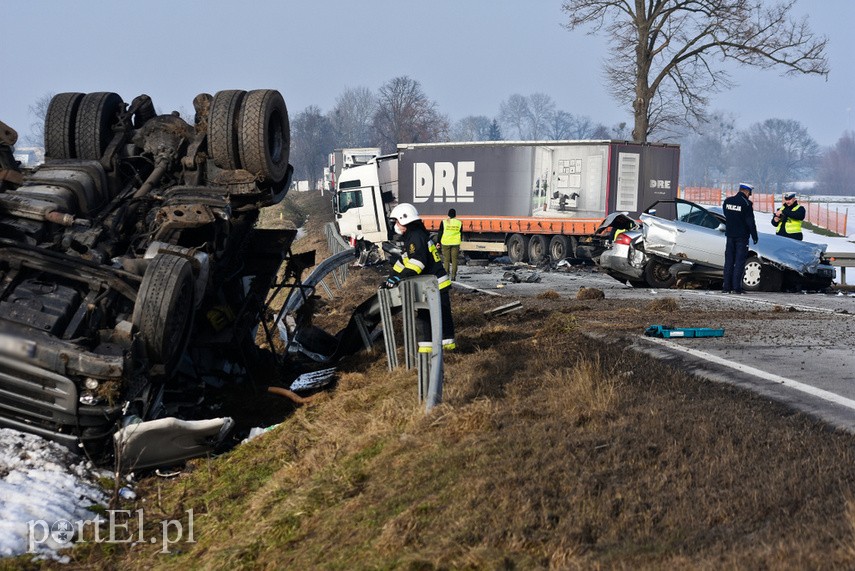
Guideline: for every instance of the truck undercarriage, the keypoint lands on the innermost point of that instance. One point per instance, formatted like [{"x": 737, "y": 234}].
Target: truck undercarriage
[{"x": 133, "y": 258}]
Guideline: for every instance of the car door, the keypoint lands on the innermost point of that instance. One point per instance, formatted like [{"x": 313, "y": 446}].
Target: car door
[{"x": 698, "y": 237}]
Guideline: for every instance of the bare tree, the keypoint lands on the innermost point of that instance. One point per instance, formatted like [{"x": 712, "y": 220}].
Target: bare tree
[
  {"x": 774, "y": 152},
  {"x": 352, "y": 117},
  {"x": 667, "y": 55},
  {"x": 515, "y": 116},
  {"x": 406, "y": 115},
  {"x": 36, "y": 137},
  {"x": 704, "y": 155},
  {"x": 311, "y": 142},
  {"x": 541, "y": 108},
  {"x": 561, "y": 126},
  {"x": 472, "y": 128},
  {"x": 837, "y": 170}
]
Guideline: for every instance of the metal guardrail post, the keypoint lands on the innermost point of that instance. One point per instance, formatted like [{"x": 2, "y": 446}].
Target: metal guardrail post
[
  {"x": 388, "y": 299},
  {"x": 414, "y": 294}
]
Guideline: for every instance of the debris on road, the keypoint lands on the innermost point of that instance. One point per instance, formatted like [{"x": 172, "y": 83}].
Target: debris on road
[
  {"x": 503, "y": 309},
  {"x": 664, "y": 331}
]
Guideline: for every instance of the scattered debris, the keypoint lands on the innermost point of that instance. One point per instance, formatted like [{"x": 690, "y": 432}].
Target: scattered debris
[
  {"x": 503, "y": 309},
  {"x": 663, "y": 304},
  {"x": 590, "y": 293},
  {"x": 314, "y": 380},
  {"x": 283, "y": 392},
  {"x": 549, "y": 294},
  {"x": 664, "y": 331}
]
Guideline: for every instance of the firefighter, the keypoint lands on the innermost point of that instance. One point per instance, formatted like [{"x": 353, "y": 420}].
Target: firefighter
[
  {"x": 739, "y": 225},
  {"x": 788, "y": 218},
  {"x": 420, "y": 257},
  {"x": 450, "y": 236}
]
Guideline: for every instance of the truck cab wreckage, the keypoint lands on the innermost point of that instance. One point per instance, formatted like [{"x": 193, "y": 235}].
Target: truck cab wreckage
[{"x": 132, "y": 259}]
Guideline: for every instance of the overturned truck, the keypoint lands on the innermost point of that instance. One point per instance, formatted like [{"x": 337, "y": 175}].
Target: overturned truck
[{"x": 133, "y": 254}]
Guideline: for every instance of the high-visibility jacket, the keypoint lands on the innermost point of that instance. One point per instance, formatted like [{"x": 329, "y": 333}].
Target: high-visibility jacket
[
  {"x": 452, "y": 233},
  {"x": 790, "y": 219}
]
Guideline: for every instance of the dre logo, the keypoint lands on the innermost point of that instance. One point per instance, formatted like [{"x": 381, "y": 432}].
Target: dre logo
[
  {"x": 443, "y": 181},
  {"x": 664, "y": 184}
]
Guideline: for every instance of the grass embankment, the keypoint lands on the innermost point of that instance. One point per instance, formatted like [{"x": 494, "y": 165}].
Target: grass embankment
[{"x": 551, "y": 450}]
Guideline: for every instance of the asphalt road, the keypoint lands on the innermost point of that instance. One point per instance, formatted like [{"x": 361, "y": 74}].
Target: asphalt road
[{"x": 796, "y": 347}]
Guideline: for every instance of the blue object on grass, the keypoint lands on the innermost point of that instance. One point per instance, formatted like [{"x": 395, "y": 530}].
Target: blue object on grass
[{"x": 663, "y": 331}]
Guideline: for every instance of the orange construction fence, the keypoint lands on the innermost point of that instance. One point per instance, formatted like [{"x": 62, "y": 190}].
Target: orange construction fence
[{"x": 818, "y": 214}]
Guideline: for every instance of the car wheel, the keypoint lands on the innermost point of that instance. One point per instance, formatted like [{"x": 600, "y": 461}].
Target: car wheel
[
  {"x": 657, "y": 275},
  {"x": 537, "y": 249},
  {"x": 265, "y": 134},
  {"x": 93, "y": 129},
  {"x": 559, "y": 248},
  {"x": 163, "y": 312},
  {"x": 518, "y": 248},
  {"x": 761, "y": 277},
  {"x": 223, "y": 126},
  {"x": 59, "y": 125}
]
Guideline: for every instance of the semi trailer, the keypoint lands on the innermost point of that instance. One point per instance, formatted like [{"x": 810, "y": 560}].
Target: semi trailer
[{"x": 529, "y": 199}]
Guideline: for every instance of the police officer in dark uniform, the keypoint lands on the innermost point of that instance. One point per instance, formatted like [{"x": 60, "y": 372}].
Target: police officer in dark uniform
[
  {"x": 739, "y": 223},
  {"x": 420, "y": 257}
]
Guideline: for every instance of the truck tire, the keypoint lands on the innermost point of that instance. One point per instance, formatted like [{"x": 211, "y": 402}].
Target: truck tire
[
  {"x": 518, "y": 248},
  {"x": 265, "y": 135},
  {"x": 537, "y": 249},
  {"x": 657, "y": 275},
  {"x": 93, "y": 128},
  {"x": 163, "y": 312},
  {"x": 761, "y": 277},
  {"x": 559, "y": 248},
  {"x": 59, "y": 125},
  {"x": 223, "y": 128}
]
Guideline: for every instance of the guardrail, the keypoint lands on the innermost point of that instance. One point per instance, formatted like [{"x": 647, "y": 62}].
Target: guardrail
[{"x": 842, "y": 260}]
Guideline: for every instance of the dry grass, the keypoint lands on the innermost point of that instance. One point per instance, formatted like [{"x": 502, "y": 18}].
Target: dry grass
[{"x": 551, "y": 450}]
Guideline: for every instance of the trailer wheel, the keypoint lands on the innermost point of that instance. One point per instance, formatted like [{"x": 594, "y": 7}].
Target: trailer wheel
[
  {"x": 657, "y": 275},
  {"x": 761, "y": 277},
  {"x": 223, "y": 128},
  {"x": 559, "y": 248},
  {"x": 518, "y": 248},
  {"x": 93, "y": 128},
  {"x": 265, "y": 134},
  {"x": 59, "y": 125},
  {"x": 163, "y": 312},
  {"x": 537, "y": 249}
]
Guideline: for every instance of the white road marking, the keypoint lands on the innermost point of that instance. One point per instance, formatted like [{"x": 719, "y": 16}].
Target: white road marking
[
  {"x": 790, "y": 383},
  {"x": 743, "y": 297}
]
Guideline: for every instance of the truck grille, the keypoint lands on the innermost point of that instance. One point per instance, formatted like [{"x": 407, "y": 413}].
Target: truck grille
[{"x": 36, "y": 393}]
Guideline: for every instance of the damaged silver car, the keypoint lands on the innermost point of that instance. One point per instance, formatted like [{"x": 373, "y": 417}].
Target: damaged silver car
[{"x": 690, "y": 243}]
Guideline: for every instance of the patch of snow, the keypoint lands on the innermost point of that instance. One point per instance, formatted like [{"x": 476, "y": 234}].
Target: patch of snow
[{"x": 41, "y": 481}]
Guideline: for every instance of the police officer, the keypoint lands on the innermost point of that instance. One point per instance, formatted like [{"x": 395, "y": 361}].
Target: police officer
[
  {"x": 450, "y": 236},
  {"x": 739, "y": 224},
  {"x": 420, "y": 257},
  {"x": 788, "y": 218}
]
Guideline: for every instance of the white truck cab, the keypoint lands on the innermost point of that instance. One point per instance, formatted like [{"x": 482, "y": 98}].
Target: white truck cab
[{"x": 365, "y": 196}]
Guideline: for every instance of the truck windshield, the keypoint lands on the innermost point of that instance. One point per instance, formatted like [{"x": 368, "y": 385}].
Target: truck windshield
[{"x": 349, "y": 199}]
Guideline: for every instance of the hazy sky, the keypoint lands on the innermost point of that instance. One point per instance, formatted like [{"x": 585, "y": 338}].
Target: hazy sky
[{"x": 469, "y": 56}]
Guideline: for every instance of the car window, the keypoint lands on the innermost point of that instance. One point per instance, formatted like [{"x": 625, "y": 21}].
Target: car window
[{"x": 692, "y": 214}]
